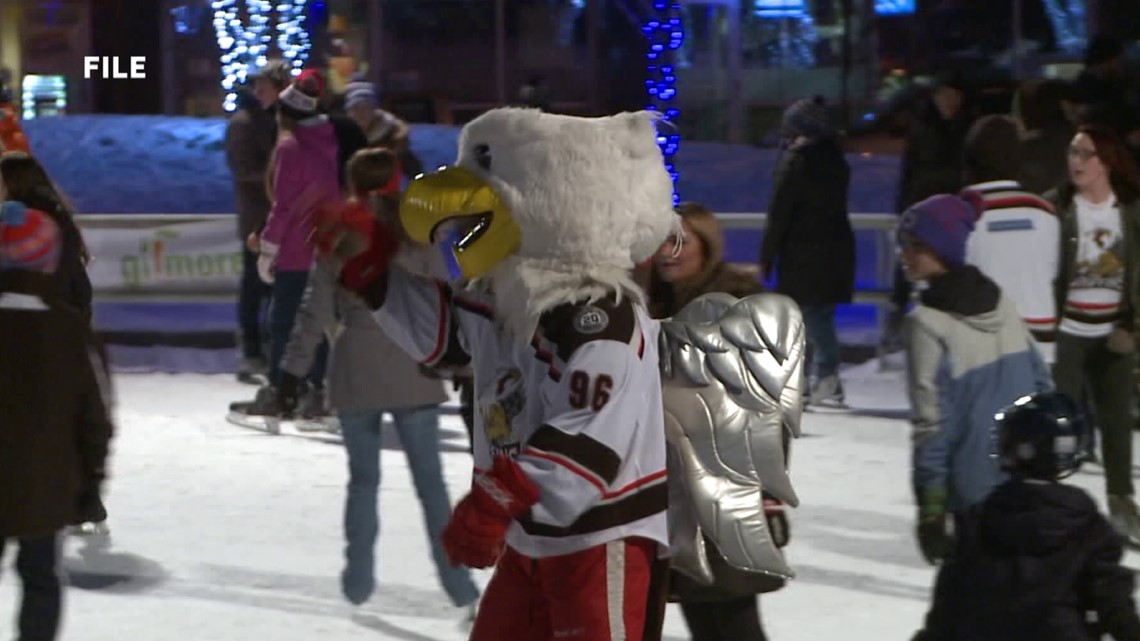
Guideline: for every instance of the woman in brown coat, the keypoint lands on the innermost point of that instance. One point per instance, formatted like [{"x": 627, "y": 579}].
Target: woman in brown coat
[{"x": 681, "y": 271}]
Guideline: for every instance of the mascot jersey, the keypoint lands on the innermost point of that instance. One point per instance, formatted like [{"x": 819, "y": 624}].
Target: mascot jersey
[{"x": 579, "y": 406}]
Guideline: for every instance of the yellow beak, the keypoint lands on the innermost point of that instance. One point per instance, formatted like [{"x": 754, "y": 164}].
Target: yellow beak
[{"x": 458, "y": 203}]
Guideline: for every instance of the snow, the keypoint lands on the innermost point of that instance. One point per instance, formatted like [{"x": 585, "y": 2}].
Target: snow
[
  {"x": 226, "y": 534},
  {"x": 176, "y": 165}
]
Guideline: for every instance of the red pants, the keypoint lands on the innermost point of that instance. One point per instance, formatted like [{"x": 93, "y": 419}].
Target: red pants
[{"x": 599, "y": 594}]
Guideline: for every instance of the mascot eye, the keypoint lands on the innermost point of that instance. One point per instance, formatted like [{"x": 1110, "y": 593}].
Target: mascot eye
[{"x": 483, "y": 156}]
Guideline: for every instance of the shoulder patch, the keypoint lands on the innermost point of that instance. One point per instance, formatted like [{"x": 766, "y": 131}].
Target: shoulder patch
[
  {"x": 572, "y": 325},
  {"x": 591, "y": 320}
]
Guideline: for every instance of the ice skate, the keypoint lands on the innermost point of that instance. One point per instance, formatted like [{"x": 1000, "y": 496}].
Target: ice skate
[
  {"x": 1125, "y": 518},
  {"x": 252, "y": 370},
  {"x": 264, "y": 412},
  {"x": 313, "y": 413},
  {"x": 90, "y": 528},
  {"x": 826, "y": 394}
]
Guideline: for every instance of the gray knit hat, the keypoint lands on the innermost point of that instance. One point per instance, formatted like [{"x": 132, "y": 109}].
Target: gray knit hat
[{"x": 276, "y": 71}]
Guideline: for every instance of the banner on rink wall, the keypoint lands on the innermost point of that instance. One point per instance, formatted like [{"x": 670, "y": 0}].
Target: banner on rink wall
[{"x": 153, "y": 255}]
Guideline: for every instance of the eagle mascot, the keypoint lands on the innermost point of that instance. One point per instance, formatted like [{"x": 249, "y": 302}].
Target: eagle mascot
[{"x": 547, "y": 215}]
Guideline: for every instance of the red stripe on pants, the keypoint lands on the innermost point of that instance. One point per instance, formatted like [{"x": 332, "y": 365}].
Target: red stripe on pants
[{"x": 572, "y": 597}]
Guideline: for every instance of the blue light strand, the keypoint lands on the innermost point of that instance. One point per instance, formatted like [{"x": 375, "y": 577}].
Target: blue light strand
[
  {"x": 245, "y": 47},
  {"x": 664, "y": 34},
  {"x": 292, "y": 37}
]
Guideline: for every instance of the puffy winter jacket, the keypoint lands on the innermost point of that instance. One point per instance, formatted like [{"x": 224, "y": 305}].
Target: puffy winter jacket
[
  {"x": 969, "y": 355},
  {"x": 1030, "y": 564}
]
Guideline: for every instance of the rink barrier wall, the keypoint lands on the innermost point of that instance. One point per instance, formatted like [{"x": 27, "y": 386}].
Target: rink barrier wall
[
  {"x": 165, "y": 284},
  {"x": 197, "y": 257}
]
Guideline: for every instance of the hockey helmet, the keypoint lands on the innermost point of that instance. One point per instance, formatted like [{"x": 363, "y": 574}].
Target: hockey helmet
[{"x": 1041, "y": 436}]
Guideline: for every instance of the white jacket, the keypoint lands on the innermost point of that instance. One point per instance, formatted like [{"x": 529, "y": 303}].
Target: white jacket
[{"x": 1017, "y": 243}]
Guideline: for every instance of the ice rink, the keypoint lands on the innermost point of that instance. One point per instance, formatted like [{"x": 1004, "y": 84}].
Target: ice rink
[{"x": 226, "y": 534}]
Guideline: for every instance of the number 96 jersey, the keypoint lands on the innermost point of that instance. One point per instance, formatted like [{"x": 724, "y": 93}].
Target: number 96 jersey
[{"x": 579, "y": 406}]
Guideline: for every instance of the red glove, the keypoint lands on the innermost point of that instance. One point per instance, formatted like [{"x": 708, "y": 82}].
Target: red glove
[{"x": 478, "y": 528}]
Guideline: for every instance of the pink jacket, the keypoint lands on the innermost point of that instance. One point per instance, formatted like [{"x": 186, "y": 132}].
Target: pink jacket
[{"x": 305, "y": 175}]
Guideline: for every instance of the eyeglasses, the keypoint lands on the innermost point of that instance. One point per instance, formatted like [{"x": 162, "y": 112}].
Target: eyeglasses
[{"x": 1081, "y": 153}]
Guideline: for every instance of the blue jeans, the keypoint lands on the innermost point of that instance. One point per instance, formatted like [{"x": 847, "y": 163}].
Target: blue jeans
[
  {"x": 418, "y": 428},
  {"x": 819, "y": 323},
  {"x": 288, "y": 293}
]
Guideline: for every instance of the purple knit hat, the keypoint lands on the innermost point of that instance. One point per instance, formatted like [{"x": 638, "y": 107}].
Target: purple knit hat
[{"x": 943, "y": 223}]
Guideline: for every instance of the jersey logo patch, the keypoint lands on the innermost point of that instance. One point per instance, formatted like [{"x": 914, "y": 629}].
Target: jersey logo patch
[{"x": 591, "y": 320}]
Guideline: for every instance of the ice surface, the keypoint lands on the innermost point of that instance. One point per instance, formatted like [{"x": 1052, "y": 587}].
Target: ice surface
[
  {"x": 176, "y": 165},
  {"x": 229, "y": 535}
]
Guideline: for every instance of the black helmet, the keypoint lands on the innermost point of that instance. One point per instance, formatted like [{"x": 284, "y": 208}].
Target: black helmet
[{"x": 1041, "y": 436}]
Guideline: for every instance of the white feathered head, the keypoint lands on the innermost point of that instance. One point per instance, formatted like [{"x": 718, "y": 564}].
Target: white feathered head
[{"x": 551, "y": 208}]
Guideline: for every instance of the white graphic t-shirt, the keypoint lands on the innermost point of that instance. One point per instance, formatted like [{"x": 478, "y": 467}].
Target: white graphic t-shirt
[{"x": 1096, "y": 290}]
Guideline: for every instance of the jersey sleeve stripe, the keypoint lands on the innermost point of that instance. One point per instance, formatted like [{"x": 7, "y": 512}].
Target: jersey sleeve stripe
[
  {"x": 578, "y": 449},
  {"x": 649, "y": 500}
]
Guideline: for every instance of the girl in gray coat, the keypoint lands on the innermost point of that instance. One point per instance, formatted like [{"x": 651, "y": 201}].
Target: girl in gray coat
[{"x": 369, "y": 376}]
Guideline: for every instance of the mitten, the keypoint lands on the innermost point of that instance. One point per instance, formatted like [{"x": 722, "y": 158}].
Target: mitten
[
  {"x": 778, "y": 527},
  {"x": 267, "y": 261},
  {"x": 934, "y": 539},
  {"x": 478, "y": 528},
  {"x": 90, "y": 508}
]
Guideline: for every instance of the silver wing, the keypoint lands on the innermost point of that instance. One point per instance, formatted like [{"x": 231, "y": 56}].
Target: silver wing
[{"x": 732, "y": 371}]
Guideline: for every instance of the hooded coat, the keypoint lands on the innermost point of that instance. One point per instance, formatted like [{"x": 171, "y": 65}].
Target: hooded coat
[
  {"x": 1030, "y": 563},
  {"x": 968, "y": 356},
  {"x": 809, "y": 241}
]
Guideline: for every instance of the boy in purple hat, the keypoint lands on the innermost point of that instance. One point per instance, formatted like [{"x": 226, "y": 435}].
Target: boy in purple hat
[{"x": 968, "y": 355}]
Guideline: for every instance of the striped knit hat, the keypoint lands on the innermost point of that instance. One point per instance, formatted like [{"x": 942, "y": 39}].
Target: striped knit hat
[
  {"x": 302, "y": 99},
  {"x": 29, "y": 239},
  {"x": 360, "y": 92}
]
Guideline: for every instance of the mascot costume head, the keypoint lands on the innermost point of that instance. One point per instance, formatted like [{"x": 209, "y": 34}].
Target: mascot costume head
[{"x": 548, "y": 208}]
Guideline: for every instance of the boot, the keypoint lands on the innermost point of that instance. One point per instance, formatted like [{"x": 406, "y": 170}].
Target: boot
[
  {"x": 265, "y": 403},
  {"x": 828, "y": 392},
  {"x": 314, "y": 404},
  {"x": 1125, "y": 518}
]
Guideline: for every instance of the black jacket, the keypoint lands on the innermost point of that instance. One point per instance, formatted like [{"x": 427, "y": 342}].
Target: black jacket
[
  {"x": 809, "y": 241},
  {"x": 55, "y": 428},
  {"x": 1031, "y": 563}
]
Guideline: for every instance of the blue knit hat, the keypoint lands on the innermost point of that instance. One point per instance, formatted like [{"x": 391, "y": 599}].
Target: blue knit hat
[
  {"x": 944, "y": 223},
  {"x": 808, "y": 118},
  {"x": 360, "y": 92}
]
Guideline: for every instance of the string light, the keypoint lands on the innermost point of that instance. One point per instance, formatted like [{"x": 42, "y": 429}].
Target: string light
[
  {"x": 244, "y": 47},
  {"x": 664, "y": 34},
  {"x": 292, "y": 37}
]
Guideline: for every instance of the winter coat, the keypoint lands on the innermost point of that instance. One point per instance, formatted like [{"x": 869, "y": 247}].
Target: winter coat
[
  {"x": 56, "y": 429},
  {"x": 1062, "y": 199},
  {"x": 367, "y": 370},
  {"x": 305, "y": 175},
  {"x": 932, "y": 162},
  {"x": 809, "y": 240},
  {"x": 1029, "y": 564},
  {"x": 250, "y": 136},
  {"x": 968, "y": 355},
  {"x": 667, "y": 299}
]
